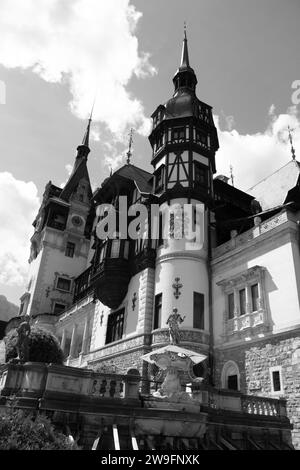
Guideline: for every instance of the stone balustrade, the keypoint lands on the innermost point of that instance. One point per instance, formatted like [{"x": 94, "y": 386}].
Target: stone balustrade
[
  {"x": 263, "y": 406},
  {"x": 235, "y": 401},
  {"x": 43, "y": 381},
  {"x": 248, "y": 320},
  {"x": 52, "y": 383},
  {"x": 251, "y": 234}
]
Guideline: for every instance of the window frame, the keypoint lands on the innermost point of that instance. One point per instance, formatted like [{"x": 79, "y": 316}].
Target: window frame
[
  {"x": 64, "y": 279},
  {"x": 114, "y": 325},
  {"x": 196, "y": 317},
  {"x": 58, "y": 303},
  {"x": 158, "y": 299},
  {"x": 202, "y": 170},
  {"x": 272, "y": 370},
  {"x": 68, "y": 249}
]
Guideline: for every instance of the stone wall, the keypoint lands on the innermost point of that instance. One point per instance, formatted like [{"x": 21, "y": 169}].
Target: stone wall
[{"x": 255, "y": 360}]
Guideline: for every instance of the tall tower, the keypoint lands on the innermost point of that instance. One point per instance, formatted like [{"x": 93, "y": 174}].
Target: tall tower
[
  {"x": 184, "y": 141},
  {"x": 60, "y": 243}
]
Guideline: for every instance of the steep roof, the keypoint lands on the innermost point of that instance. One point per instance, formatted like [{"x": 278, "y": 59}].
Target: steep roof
[
  {"x": 272, "y": 190},
  {"x": 79, "y": 171},
  {"x": 141, "y": 177}
]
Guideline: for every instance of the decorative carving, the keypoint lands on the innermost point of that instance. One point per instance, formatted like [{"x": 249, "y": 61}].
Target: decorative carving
[
  {"x": 176, "y": 286},
  {"x": 47, "y": 291},
  {"x": 134, "y": 299},
  {"x": 187, "y": 336}
]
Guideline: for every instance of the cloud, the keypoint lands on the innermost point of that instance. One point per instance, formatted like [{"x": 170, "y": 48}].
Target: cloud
[
  {"x": 90, "y": 44},
  {"x": 255, "y": 156},
  {"x": 16, "y": 215},
  {"x": 68, "y": 168}
]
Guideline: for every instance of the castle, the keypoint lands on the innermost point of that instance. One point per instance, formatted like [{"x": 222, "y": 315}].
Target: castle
[{"x": 108, "y": 300}]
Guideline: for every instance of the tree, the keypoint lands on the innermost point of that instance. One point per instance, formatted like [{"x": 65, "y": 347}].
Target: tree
[
  {"x": 20, "y": 430},
  {"x": 43, "y": 346}
]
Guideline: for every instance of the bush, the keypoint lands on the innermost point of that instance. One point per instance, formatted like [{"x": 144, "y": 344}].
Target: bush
[
  {"x": 22, "y": 431},
  {"x": 43, "y": 346}
]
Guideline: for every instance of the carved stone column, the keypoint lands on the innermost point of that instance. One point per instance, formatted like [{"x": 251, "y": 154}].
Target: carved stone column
[
  {"x": 248, "y": 297},
  {"x": 236, "y": 309}
]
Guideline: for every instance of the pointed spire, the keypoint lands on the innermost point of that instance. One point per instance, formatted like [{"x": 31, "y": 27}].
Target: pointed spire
[
  {"x": 185, "y": 63},
  {"x": 83, "y": 150},
  {"x": 291, "y": 142},
  {"x": 185, "y": 76},
  {"x": 129, "y": 153}
]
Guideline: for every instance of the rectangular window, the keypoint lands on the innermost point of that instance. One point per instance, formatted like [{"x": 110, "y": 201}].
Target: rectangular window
[
  {"x": 231, "y": 305},
  {"x": 157, "y": 311},
  {"x": 201, "y": 137},
  {"x": 200, "y": 174},
  {"x": 254, "y": 296},
  {"x": 242, "y": 295},
  {"x": 159, "y": 178},
  {"x": 276, "y": 380},
  {"x": 160, "y": 230},
  {"x": 63, "y": 284},
  {"x": 115, "y": 326},
  {"x": 178, "y": 134},
  {"x": 198, "y": 318},
  {"x": 70, "y": 249},
  {"x": 58, "y": 308}
]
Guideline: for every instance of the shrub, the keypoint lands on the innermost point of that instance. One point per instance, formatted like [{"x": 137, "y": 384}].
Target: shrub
[
  {"x": 22, "y": 431},
  {"x": 43, "y": 346}
]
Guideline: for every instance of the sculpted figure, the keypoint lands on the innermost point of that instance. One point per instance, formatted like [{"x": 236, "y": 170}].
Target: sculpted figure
[
  {"x": 22, "y": 345},
  {"x": 173, "y": 321}
]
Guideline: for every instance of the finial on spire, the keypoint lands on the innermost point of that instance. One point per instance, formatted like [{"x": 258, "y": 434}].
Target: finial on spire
[
  {"x": 129, "y": 153},
  {"x": 291, "y": 142},
  {"x": 231, "y": 175},
  {"x": 185, "y": 53}
]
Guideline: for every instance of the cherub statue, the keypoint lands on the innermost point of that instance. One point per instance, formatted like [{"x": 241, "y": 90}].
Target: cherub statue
[
  {"x": 173, "y": 321},
  {"x": 22, "y": 345}
]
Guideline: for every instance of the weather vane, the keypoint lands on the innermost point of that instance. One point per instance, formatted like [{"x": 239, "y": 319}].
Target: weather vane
[
  {"x": 129, "y": 153},
  {"x": 291, "y": 141}
]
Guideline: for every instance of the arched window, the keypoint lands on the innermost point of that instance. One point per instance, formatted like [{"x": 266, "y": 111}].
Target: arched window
[{"x": 230, "y": 377}]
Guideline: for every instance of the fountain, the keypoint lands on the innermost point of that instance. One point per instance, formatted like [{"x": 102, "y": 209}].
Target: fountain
[{"x": 173, "y": 359}]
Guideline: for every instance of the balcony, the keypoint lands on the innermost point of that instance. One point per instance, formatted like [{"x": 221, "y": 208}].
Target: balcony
[
  {"x": 82, "y": 285},
  {"x": 249, "y": 320},
  {"x": 110, "y": 279}
]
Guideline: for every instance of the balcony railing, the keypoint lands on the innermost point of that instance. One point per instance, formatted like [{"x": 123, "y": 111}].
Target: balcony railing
[
  {"x": 57, "y": 225},
  {"x": 249, "y": 235},
  {"x": 248, "y": 320}
]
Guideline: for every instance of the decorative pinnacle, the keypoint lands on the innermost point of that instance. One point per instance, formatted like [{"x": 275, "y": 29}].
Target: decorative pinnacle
[
  {"x": 129, "y": 153},
  {"x": 290, "y": 131},
  {"x": 185, "y": 53},
  {"x": 86, "y": 137},
  {"x": 231, "y": 175}
]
